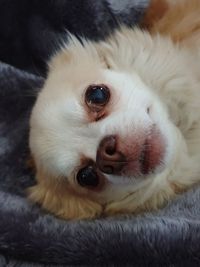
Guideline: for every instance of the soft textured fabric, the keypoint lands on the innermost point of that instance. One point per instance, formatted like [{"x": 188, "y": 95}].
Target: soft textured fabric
[
  {"x": 31, "y": 30},
  {"x": 29, "y": 33}
]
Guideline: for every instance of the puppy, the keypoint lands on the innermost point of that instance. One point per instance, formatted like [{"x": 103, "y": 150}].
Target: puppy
[{"x": 116, "y": 128}]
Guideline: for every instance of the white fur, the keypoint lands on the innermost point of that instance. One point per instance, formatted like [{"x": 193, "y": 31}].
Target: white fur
[{"x": 142, "y": 72}]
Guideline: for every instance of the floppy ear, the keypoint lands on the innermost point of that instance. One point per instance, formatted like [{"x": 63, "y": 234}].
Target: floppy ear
[
  {"x": 58, "y": 199},
  {"x": 154, "y": 13}
]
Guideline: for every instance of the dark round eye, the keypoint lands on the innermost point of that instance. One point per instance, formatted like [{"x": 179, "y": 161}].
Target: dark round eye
[
  {"x": 97, "y": 96},
  {"x": 87, "y": 177}
]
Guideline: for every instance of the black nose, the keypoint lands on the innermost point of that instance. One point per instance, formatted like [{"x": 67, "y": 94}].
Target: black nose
[{"x": 109, "y": 160}]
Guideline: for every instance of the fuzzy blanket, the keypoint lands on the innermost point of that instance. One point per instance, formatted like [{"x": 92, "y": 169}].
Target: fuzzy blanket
[{"x": 29, "y": 33}]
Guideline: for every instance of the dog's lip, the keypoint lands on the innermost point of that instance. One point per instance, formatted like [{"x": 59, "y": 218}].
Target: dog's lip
[
  {"x": 152, "y": 153},
  {"x": 151, "y": 159},
  {"x": 144, "y": 159}
]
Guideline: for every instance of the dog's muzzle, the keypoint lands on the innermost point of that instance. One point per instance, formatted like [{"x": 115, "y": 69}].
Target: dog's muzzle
[{"x": 132, "y": 157}]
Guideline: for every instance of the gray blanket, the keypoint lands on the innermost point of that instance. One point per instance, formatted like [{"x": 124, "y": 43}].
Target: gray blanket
[{"x": 32, "y": 237}]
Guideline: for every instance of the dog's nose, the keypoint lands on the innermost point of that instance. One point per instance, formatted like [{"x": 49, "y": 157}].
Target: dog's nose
[{"x": 108, "y": 159}]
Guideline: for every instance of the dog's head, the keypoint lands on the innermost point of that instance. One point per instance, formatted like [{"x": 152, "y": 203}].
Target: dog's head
[{"x": 97, "y": 128}]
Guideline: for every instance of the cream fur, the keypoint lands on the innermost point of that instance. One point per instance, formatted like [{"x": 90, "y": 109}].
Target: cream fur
[{"x": 144, "y": 70}]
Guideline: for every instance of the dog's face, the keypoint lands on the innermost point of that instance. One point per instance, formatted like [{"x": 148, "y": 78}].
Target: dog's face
[{"x": 101, "y": 131}]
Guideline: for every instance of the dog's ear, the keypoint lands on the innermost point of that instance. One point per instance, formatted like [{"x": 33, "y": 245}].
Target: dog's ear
[
  {"x": 58, "y": 199},
  {"x": 154, "y": 13}
]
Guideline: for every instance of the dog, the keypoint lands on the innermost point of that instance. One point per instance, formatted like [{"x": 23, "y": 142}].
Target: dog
[{"x": 116, "y": 127}]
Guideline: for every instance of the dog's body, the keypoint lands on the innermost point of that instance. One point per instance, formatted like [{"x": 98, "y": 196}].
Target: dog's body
[
  {"x": 178, "y": 19},
  {"x": 138, "y": 135}
]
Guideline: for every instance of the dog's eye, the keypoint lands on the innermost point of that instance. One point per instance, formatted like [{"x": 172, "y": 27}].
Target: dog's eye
[
  {"x": 97, "y": 96},
  {"x": 87, "y": 177}
]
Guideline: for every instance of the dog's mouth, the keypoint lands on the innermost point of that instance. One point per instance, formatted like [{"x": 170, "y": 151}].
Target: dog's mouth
[
  {"x": 151, "y": 156},
  {"x": 144, "y": 160}
]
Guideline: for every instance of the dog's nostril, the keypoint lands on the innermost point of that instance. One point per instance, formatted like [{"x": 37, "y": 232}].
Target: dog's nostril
[
  {"x": 108, "y": 169},
  {"x": 109, "y": 145},
  {"x": 109, "y": 159},
  {"x": 110, "y": 151}
]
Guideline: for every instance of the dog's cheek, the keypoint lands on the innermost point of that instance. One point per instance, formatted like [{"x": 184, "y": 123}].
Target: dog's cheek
[{"x": 62, "y": 202}]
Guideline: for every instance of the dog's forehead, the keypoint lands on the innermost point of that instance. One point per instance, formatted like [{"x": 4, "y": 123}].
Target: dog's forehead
[{"x": 123, "y": 80}]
